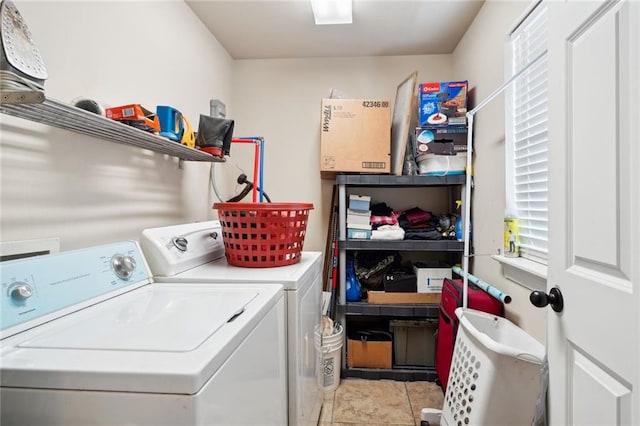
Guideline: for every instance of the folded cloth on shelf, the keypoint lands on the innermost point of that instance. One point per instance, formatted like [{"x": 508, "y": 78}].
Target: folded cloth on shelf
[
  {"x": 422, "y": 234},
  {"x": 417, "y": 215},
  {"x": 391, "y": 219},
  {"x": 388, "y": 232}
]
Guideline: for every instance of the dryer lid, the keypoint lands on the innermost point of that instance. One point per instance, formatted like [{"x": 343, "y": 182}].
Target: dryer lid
[{"x": 292, "y": 277}]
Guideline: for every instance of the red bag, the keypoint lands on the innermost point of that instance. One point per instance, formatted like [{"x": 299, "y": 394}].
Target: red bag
[{"x": 448, "y": 322}]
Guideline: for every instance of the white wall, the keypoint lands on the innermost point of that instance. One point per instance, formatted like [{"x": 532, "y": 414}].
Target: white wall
[
  {"x": 87, "y": 191},
  {"x": 479, "y": 58},
  {"x": 280, "y": 100}
]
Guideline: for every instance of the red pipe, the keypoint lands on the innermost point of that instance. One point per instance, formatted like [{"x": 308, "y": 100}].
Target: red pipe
[{"x": 256, "y": 155}]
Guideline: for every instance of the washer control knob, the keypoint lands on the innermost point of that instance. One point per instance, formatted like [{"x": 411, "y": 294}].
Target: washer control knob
[
  {"x": 180, "y": 243},
  {"x": 123, "y": 266},
  {"x": 20, "y": 292}
]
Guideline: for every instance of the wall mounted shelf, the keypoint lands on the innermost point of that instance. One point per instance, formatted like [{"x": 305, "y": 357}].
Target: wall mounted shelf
[{"x": 68, "y": 117}]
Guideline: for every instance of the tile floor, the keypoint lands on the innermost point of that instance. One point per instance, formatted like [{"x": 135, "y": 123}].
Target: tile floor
[{"x": 379, "y": 402}]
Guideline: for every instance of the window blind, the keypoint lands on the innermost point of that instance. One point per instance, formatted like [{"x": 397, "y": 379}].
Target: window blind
[{"x": 528, "y": 154}]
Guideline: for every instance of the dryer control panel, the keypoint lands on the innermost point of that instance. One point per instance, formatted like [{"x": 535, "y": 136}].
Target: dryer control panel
[
  {"x": 171, "y": 250},
  {"x": 38, "y": 289}
]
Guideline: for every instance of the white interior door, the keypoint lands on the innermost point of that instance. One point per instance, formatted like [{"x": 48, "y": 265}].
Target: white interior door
[{"x": 594, "y": 210}]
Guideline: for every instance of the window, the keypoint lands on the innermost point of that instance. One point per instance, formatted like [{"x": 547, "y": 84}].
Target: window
[{"x": 526, "y": 133}]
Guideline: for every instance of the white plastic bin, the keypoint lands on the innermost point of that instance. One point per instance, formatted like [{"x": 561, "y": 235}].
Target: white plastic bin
[
  {"x": 495, "y": 372},
  {"x": 330, "y": 352}
]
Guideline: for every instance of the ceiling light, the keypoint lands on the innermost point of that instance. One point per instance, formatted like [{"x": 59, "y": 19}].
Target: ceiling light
[{"x": 326, "y": 12}]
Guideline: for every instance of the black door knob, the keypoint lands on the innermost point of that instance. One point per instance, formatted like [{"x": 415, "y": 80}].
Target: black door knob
[{"x": 542, "y": 299}]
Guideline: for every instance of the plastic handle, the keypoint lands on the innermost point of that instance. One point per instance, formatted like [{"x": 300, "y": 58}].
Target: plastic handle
[
  {"x": 492, "y": 344},
  {"x": 529, "y": 358}
]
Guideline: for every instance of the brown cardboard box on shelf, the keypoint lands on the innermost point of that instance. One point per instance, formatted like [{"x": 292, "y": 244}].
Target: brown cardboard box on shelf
[
  {"x": 355, "y": 136},
  {"x": 381, "y": 297},
  {"x": 369, "y": 354}
]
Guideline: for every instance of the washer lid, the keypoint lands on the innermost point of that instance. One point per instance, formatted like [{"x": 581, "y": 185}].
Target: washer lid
[
  {"x": 160, "y": 338},
  {"x": 153, "y": 319}
]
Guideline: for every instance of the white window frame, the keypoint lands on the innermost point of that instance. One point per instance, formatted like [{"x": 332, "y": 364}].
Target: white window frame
[{"x": 533, "y": 229}]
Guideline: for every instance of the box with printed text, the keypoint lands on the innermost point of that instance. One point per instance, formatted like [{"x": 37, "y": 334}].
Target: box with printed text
[
  {"x": 355, "y": 136},
  {"x": 443, "y": 103},
  {"x": 430, "y": 277}
]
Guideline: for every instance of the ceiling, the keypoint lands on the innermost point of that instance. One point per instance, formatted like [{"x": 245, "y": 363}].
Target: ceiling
[{"x": 285, "y": 28}]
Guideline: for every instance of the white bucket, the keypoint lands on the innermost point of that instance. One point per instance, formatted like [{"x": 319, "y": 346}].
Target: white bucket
[{"x": 330, "y": 352}]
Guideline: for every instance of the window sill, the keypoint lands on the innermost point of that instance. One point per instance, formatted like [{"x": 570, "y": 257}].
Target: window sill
[{"x": 525, "y": 272}]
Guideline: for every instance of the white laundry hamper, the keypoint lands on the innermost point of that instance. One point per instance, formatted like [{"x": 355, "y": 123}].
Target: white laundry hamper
[{"x": 495, "y": 373}]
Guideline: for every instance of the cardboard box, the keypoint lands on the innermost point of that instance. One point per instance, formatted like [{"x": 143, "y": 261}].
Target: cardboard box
[
  {"x": 439, "y": 141},
  {"x": 359, "y": 202},
  {"x": 443, "y": 103},
  {"x": 369, "y": 354},
  {"x": 135, "y": 115},
  {"x": 414, "y": 342},
  {"x": 430, "y": 279},
  {"x": 440, "y": 151},
  {"x": 358, "y": 217},
  {"x": 355, "y": 233},
  {"x": 355, "y": 136},
  {"x": 381, "y": 297}
]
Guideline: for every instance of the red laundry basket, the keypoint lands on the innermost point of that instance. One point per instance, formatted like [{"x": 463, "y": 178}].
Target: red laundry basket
[{"x": 263, "y": 235}]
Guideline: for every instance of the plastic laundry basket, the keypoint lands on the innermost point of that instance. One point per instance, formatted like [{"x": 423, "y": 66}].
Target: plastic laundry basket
[
  {"x": 263, "y": 235},
  {"x": 495, "y": 372}
]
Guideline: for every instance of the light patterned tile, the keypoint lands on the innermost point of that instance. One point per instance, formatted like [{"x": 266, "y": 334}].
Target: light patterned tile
[
  {"x": 383, "y": 402},
  {"x": 424, "y": 395},
  {"x": 363, "y": 424},
  {"x": 326, "y": 414}
]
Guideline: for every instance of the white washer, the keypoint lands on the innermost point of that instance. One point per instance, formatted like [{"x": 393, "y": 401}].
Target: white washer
[
  {"x": 87, "y": 338},
  {"x": 194, "y": 253}
]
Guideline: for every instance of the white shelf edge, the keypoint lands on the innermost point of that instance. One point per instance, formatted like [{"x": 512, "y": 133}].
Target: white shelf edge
[{"x": 525, "y": 272}]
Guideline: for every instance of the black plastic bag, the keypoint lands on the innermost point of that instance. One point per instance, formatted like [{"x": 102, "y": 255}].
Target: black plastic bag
[{"x": 214, "y": 135}]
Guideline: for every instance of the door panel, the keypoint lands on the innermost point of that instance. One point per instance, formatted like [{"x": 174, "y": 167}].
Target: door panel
[
  {"x": 600, "y": 399},
  {"x": 594, "y": 206},
  {"x": 593, "y": 155}
]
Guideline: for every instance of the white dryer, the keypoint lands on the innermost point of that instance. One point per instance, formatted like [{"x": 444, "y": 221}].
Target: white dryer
[
  {"x": 194, "y": 253},
  {"x": 88, "y": 338}
]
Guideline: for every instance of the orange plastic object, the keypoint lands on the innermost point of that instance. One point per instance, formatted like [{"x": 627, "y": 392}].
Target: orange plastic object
[
  {"x": 135, "y": 115},
  {"x": 263, "y": 235}
]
